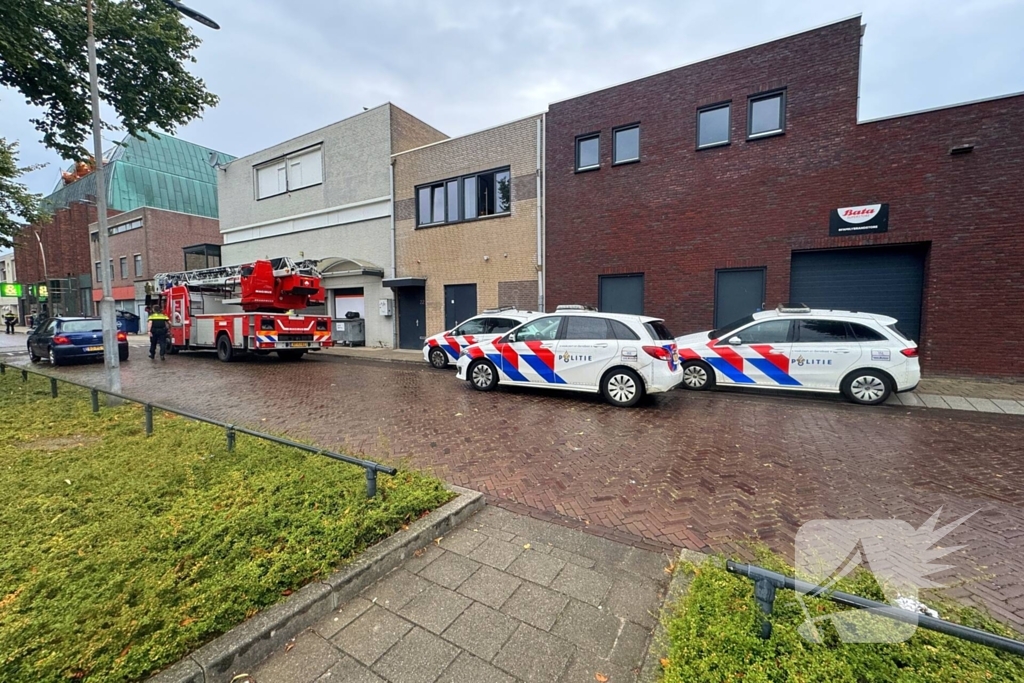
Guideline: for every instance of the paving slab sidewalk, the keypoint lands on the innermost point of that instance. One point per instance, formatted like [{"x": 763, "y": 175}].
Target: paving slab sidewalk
[{"x": 503, "y": 599}]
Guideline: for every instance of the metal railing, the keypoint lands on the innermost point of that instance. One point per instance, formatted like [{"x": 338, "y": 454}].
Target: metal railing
[
  {"x": 230, "y": 430},
  {"x": 767, "y": 581}
]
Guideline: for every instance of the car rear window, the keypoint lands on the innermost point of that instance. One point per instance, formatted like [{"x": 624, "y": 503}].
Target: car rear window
[
  {"x": 658, "y": 330},
  {"x": 82, "y": 326},
  {"x": 864, "y": 333},
  {"x": 895, "y": 330},
  {"x": 621, "y": 331}
]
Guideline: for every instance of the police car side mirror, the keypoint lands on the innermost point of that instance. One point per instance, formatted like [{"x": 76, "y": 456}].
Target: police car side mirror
[{"x": 735, "y": 341}]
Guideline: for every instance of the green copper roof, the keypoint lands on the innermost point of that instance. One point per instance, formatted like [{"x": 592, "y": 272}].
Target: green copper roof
[{"x": 159, "y": 171}]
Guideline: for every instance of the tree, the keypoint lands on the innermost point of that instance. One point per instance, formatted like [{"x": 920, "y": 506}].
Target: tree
[
  {"x": 16, "y": 202},
  {"x": 142, "y": 48}
]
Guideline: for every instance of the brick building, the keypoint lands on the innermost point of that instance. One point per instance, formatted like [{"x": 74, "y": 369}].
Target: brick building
[
  {"x": 701, "y": 193},
  {"x": 144, "y": 242},
  {"x": 467, "y": 227},
  {"x": 159, "y": 171},
  {"x": 326, "y": 195}
]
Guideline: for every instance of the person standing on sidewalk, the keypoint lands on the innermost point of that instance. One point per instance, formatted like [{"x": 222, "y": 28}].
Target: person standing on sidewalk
[
  {"x": 10, "y": 320},
  {"x": 158, "y": 328}
]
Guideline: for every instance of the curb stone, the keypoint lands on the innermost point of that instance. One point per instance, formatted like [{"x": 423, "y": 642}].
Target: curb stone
[
  {"x": 651, "y": 670},
  {"x": 245, "y": 646}
]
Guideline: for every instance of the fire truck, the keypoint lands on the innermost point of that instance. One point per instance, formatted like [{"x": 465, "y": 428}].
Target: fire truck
[{"x": 249, "y": 308}]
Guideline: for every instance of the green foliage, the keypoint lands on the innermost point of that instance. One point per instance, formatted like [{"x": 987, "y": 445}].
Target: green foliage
[
  {"x": 16, "y": 202},
  {"x": 121, "y": 553},
  {"x": 714, "y": 637},
  {"x": 142, "y": 48}
]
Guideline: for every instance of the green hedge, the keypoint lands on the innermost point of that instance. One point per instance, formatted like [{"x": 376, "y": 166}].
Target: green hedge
[
  {"x": 120, "y": 553},
  {"x": 714, "y": 637}
]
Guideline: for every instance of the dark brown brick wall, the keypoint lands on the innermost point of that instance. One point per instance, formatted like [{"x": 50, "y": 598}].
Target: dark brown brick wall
[
  {"x": 680, "y": 213},
  {"x": 66, "y": 241}
]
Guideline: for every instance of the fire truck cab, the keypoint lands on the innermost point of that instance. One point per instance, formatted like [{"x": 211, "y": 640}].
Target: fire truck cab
[{"x": 249, "y": 308}]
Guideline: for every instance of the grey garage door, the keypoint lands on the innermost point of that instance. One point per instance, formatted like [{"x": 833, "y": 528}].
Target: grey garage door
[{"x": 886, "y": 280}]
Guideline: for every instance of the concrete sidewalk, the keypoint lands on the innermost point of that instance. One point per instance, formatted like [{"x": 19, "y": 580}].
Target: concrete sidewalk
[{"x": 503, "y": 599}]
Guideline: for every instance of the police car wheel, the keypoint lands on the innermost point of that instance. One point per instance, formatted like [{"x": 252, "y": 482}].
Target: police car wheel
[
  {"x": 866, "y": 387},
  {"x": 438, "y": 358},
  {"x": 482, "y": 375},
  {"x": 622, "y": 387},
  {"x": 697, "y": 376},
  {"x": 32, "y": 355}
]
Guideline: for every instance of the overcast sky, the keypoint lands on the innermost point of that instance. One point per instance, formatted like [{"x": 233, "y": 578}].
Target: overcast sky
[{"x": 282, "y": 68}]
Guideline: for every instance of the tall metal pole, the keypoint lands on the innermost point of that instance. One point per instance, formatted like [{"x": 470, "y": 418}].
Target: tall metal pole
[
  {"x": 110, "y": 351},
  {"x": 46, "y": 276}
]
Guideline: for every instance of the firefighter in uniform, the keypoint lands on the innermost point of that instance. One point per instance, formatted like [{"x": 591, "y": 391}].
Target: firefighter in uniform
[{"x": 158, "y": 328}]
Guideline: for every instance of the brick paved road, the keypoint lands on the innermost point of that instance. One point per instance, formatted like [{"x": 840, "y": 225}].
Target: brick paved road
[{"x": 695, "y": 470}]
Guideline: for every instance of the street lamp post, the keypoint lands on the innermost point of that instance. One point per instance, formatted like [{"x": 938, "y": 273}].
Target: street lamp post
[
  {"x": 46, "y": 274},
  {"x": 107, "y": 320}
]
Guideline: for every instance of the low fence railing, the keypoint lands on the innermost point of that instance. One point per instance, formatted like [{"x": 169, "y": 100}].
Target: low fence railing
[{"x": 230, "y": 430}]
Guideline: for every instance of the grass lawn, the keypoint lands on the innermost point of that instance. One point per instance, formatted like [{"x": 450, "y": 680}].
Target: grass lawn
[
  {"x": 713, "y": 637},
  {"x": 119, "y": 553}
]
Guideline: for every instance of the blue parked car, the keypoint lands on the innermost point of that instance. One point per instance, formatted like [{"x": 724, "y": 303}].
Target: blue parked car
[{"x": 63, "y": 339}]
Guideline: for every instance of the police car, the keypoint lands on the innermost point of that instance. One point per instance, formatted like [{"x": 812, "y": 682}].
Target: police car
[
  {"x": 577, "y": 348},
  {"x": 490, "y": 324},
  {"x": 862, "y": 355}
]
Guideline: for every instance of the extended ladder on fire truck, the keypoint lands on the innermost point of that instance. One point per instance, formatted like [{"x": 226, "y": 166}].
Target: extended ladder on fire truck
[{"x": 246, "y": 308}]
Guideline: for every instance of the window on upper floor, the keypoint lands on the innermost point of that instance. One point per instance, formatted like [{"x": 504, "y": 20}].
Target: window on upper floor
[
  {"x": 123, "y": 262},
  {"x": 766, "y": 114},
  {"x": 99, "y": 272},
  {"x": 466, "y": 198},
  {"x": 626, "y": 144},
  {"x": 588, "y": 149},
  {"x": 713, "y": 125},
  {"x": 138, "y": 265},
  {"x": 290, "y": 173}
]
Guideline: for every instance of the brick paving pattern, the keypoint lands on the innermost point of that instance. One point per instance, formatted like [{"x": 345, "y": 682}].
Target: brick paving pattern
[
  {"x": 502, "y": 599},
  {"x": 700, "y": 470}
]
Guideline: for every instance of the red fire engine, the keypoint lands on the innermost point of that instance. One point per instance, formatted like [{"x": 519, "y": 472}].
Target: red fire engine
[{"x": 246, "y": 309}]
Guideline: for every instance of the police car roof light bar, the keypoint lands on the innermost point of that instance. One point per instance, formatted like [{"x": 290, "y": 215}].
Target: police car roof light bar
[
  {"x": 793, "y": 308},
  {"x": 574, "y": 307},
  {"x": 499, "y": 309}
]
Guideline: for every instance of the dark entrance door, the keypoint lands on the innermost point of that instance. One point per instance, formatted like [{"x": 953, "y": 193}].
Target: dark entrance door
[
  {"x": 885, "y": 280},
  {"x": 412, "y": 317},
  {"x": 459, "y": 304},
  {"x": 738, "y": 293}
]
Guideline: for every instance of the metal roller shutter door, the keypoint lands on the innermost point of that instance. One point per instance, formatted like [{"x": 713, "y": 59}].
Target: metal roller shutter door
[{"x": 885, "y": 280}]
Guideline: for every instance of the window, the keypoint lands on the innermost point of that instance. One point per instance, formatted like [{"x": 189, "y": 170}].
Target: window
[
  {"x": 123, "y": 262},
  {"x": 111, "y": 264},
  {"x": 474, "y": 326},
  {"x": 587, "y": 151},
  {"x": 659, "y": 330},
  {"x": 99, "y": 272},
  {"x": 138, "y": 265},
  {"x": 585, "y": 327},
  {"x": 542, "y": 329},
  {"x": 501, "y": 325},
  {"x": 465, "y": 198},
  {"x": 626, "y": 145},
  {"x": 713, "y": 125},
  {"x": 863, "y": 333},
  {"x": 621, "y": 293},
  {"x": 124, "y": 227},
  {"x": 294, "y": 172},
  {"x": 81, "y": 326},
  {"x": 820, "y": 331},
  {"x": 620, "y": 330},
  {"x": 766, "y": 115},
  {"x": 768, "y": 332}
]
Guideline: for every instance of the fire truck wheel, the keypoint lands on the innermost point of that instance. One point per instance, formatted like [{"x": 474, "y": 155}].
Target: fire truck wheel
[
  {"x": 290, "y": 355},
  {"x": 224, "y": 351}
]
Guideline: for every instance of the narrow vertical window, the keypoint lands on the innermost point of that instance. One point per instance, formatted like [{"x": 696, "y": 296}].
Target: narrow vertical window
[
  {"x": 424, "y": 205},
  {"x": 453, "y": 200},
  {"x": 502, "y": 192},
  {"x": 469, "y": 195},
  {"x": 626, "y": 145},
  {"x": 587, "y": 152},
  {"x": 438, "y": 204}
]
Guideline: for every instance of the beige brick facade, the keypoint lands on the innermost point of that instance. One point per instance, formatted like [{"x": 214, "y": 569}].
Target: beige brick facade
[{"x": 496, "y": 253}]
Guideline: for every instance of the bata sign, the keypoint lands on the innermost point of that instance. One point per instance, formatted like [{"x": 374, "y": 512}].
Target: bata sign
[{"x": 855, "y": 220}]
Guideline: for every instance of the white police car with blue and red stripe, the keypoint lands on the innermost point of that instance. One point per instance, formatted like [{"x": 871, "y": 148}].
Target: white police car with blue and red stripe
[
  {"x": 621, "y": 356},
  {"x": 447, "y": 346},
  {"x": 862, "y": 355}
]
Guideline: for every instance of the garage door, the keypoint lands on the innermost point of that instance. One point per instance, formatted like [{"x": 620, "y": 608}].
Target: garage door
[{"x": 886, "y": 280}]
